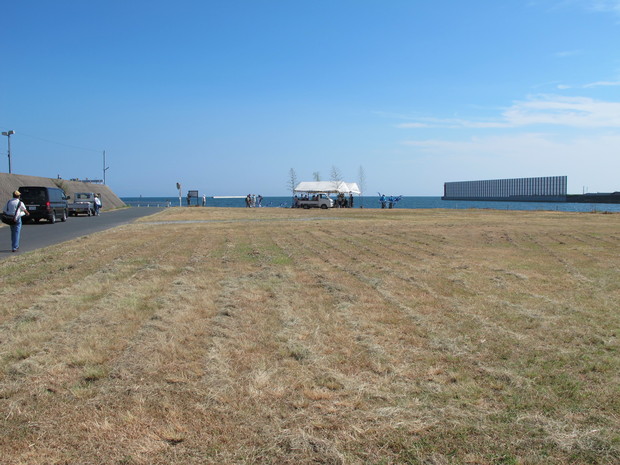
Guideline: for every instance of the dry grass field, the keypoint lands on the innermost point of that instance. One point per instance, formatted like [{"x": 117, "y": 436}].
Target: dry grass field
[{"x": 275, "y": 336}]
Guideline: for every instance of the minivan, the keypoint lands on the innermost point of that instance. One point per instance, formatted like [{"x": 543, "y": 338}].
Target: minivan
[{"x": 49, "y": 203}]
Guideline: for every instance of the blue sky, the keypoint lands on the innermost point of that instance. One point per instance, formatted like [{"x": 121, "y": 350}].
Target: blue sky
[{"x": 227, "y": 96}]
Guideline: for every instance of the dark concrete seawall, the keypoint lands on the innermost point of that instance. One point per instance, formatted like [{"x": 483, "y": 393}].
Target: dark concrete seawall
[
  {"x": 613, "y": 197},
  {"x": 10, "y": 182},
  {"x": 512, "y": 198},
  {"x": 573, "y": 198}
]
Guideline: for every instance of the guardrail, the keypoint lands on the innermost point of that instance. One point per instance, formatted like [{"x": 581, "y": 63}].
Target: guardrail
[{"x": 148, "y": 204}]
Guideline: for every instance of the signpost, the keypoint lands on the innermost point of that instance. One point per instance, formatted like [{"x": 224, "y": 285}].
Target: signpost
[{"x": 190, "y": 195}]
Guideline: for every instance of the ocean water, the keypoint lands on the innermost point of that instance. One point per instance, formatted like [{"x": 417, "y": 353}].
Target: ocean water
[{"x": 373, "y": 202}]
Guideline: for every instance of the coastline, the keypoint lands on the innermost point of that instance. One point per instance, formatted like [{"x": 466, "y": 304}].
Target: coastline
[{"x": 372, "y": 202}]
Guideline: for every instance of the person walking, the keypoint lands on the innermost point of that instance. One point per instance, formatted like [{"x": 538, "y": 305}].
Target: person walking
[
  {"x": 97, "y": 204},
  {"x": 17, "y": 209}
]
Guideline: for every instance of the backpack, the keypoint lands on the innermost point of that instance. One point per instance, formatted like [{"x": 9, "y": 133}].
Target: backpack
[{"x": 11, "y": 220}]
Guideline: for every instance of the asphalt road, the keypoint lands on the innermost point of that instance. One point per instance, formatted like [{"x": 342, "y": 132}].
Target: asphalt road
[{"x": 43, "y": 234}]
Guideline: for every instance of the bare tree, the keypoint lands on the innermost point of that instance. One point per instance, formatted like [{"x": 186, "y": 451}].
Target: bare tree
[
  {"x": 292, "y": 180},
  {"x": 361, "y": 177},
  {"x": 336, "y": 175},
  {"x": 317, "y": 176}
]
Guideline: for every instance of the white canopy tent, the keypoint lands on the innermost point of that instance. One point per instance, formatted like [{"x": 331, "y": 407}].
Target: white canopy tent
[{"x": 329, "y": 187}]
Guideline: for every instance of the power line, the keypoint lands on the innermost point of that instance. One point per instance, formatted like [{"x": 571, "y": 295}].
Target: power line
[{"x": 58, "y": 143}]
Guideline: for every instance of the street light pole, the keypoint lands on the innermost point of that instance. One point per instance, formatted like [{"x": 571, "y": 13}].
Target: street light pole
[
  {"x": 105, "y": 168},
  {"x": 8, "y": 134}
]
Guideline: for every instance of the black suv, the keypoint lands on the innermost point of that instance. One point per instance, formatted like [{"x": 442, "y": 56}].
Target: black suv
[{"x": 48, "y": 203}]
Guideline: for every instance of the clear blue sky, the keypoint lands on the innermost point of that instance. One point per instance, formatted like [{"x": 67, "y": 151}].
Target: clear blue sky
[{"x": 227, "y": 96}]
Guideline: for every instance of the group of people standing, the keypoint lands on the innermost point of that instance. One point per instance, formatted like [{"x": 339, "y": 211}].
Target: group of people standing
[
  {"x": 343, "y": 202},
  {"x": 252, "y": 201},
  {"x": 390, "y": 201}
]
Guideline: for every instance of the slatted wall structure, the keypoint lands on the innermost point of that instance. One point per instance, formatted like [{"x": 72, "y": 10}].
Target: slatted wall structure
[{"x": 542, "y": 189}]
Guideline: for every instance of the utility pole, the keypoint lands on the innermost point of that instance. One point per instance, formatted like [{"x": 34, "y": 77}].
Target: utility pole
[
  {"x": 105, "y": 168},
  {"x": 8, "y": 134}
]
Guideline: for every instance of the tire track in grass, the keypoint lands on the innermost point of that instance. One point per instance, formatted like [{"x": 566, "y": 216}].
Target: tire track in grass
[
  {"x": 477, "y": 315},
  {"x": 154, "y": 393},
  {"x": 184, "y": 295},
  {"x": 405, "y": 259},
  {"x": 255, "y": 317},
  {"x": 603, "y": 257},
  {"x": 76, "y": 346},
  {"x": 408, "y": 375},
  {"x": 335, "y": 281},
  {"x": 72, "y": 356},
  {"x": 335, "y": 372},
  {"x": 443, "y": 339},
  {"x": 576, "y": 284},
  {"x": 555, "y": 257},
  {"x": 30, "y": 332},
  {"x": 290, "y": 359},
  {"x": 149, "y": 421},
  {"x": 487, "y": 372},
  {"x": 53, "y": 271}
]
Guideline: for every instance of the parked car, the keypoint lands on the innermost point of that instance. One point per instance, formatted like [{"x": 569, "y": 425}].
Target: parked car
[
  {"x": 314, "y": 200},
  {"x": 49, "y": 203},
  {"x": 83, "y": 202}
]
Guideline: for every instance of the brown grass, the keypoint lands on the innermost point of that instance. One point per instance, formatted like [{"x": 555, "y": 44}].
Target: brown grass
[{"x": 279, "y": 336}]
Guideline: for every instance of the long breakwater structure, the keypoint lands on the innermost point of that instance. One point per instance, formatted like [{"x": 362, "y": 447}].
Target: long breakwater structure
[{"x": 541, "y": 189}]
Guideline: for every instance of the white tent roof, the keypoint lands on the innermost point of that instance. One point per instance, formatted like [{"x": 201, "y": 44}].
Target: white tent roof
[
  {"x": 352, "y": 188},
  {"x": 329, "y": 187}
]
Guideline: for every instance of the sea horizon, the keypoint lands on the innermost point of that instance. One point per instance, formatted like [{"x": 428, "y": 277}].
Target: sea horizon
[{"x": 406, "y": 202}]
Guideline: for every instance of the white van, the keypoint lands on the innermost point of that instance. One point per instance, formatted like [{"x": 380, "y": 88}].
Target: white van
[{"x": 321, "y": 200}]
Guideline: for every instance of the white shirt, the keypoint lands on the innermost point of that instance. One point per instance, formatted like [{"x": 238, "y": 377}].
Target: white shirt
[{"x": 12, "y": 204}]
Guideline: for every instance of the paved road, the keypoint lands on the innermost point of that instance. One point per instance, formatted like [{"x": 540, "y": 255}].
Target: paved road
[{"x": 42, "y": 234}]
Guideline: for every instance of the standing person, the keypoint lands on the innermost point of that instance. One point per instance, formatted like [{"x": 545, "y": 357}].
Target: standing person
[
  {"x": 97, "y": 204},
  {"x": 259, "y": 200},
  {"x": 189, "y": 199},
  {"x": 16, "y": 207},
  {"x": 204, "y": 200}
]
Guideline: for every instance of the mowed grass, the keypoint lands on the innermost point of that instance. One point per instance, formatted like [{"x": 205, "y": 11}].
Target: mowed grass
[{"x": 276, "y": 336}]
